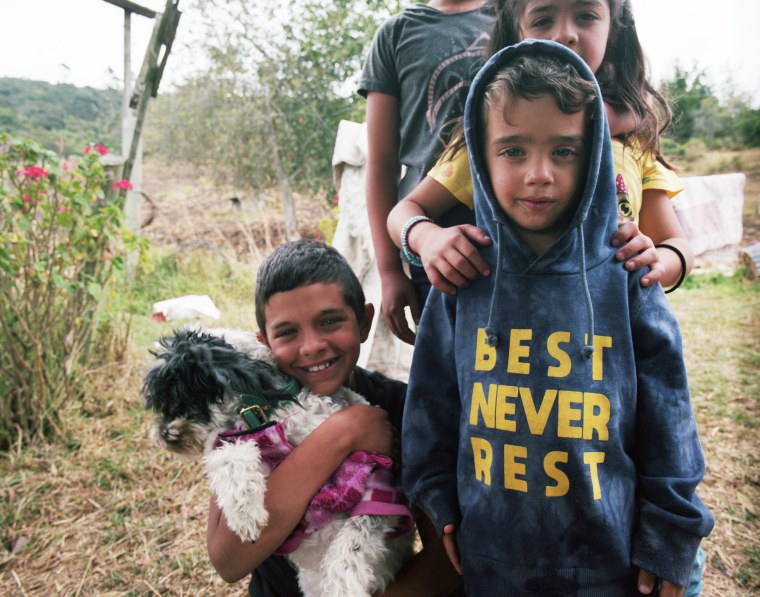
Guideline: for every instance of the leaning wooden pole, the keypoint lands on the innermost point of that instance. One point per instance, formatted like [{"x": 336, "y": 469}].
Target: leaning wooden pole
[{"x": 150, "y": 75}]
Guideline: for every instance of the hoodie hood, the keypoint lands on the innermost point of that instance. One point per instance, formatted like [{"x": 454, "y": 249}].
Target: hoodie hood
[{"x": 586, "y": 242}]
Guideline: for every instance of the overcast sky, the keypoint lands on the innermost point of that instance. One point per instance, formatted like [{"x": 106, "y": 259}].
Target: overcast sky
[{"x": 78, "y": 41}]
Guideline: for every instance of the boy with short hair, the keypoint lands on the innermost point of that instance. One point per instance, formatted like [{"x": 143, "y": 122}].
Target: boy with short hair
[
  {"x": 548, "y": 419},
  {"x": 311, "y": 313}
]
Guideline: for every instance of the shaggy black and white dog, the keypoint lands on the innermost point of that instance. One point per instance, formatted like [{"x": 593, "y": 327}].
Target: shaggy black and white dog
[{"x": 196, "y": 390}]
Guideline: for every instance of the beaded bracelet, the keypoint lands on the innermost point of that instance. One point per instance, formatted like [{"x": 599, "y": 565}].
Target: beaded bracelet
[
  {"x": 412, "y": 257},
  {"x": 683, "y": 264}
]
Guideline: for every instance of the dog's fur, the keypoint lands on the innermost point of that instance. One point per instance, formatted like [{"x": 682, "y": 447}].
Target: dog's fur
[{"x": 194, "y": 388}]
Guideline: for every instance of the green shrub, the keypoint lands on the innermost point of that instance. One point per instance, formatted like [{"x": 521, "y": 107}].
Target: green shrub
[
  {"x": 61, "y": 241},
  {"x": 694, "y": 149}
]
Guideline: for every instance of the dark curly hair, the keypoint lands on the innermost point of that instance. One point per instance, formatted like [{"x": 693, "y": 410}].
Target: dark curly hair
[
  {"x": 303, "y": 262},
  {"x": 622, "y": 76}
]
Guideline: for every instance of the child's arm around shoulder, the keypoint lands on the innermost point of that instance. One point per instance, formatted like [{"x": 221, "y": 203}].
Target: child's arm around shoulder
[
  {"x": 450, "y": 256},
  {"x": 658, "y": 242},
  {"x": 291, "y": 486}
]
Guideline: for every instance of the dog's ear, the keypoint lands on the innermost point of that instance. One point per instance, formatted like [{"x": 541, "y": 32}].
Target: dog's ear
[{"x": 184, "y": 380}]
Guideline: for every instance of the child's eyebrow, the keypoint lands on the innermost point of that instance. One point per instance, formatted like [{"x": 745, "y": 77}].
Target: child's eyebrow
[
  {"x": 281, "y": 324},
  {"x": 332, "y": 311},
  {"x": 551, "y": 6},
  {"x": 323, "y": 313},
  {"x": 507, "y": 139}
]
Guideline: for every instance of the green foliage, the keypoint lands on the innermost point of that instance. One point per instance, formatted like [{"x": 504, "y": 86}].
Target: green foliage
[
  {"x": 699, "y": 114},
  {"x": 62, "y": 118},
  {"x": 61, "y": 241},
  {"x": 748, "y": 126},
  {"x": 685, "y": 92}
]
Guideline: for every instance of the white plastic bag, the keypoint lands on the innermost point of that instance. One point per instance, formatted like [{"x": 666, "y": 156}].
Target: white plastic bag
[{"x": 191, "y": 305}]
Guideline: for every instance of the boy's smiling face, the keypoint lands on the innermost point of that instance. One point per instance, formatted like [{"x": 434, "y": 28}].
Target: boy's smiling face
[{"x": 315, "y": 336}]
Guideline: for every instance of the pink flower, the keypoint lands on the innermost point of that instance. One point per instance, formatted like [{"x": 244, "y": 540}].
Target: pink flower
[
  {"x": 26, "y": 198},
  {"x": 34, "y": 172},
  {"x": 123, "y": 185},
  {"x": 101, "y": 149}
]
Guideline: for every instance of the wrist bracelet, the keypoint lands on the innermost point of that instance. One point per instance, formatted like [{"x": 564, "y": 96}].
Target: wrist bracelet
[
  {"x": 683, "y": 264},
  {"x": 412, "y": 257}
]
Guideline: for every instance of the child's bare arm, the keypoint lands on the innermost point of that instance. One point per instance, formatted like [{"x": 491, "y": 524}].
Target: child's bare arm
[
  {"x": 383, "y": 167},
  {"x": 291, "y": 486},
  {"x": 451, "y": 547},
  {"x": 449, "y": 255},
  {"x": 429, "y": 572},
  {"x": 658, "y": 224},
  {"x": 620, "y": 121}
]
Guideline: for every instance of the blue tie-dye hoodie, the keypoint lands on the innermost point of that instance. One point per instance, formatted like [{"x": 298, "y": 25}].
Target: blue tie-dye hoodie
[{"x": 548, "y": 413}]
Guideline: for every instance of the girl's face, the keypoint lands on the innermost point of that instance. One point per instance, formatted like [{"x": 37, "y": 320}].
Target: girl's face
[{"x": 581, "y": 25}]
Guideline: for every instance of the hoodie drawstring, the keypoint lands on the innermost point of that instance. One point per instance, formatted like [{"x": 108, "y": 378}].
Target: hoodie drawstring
[
  {"x": 588, "y": 350},
  {"x": 492, "y": 339}
]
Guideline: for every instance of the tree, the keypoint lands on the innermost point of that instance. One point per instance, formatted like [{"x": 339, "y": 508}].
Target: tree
[
  {"x": 748, "y": 126},
  {"x": 685, "y": 92},
  {"x": 280, "y": 75}
]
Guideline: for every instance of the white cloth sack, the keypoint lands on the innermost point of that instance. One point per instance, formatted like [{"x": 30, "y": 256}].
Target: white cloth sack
[
  {"x": 710, "y": 212},
  {"x": 382, "y": 351}
]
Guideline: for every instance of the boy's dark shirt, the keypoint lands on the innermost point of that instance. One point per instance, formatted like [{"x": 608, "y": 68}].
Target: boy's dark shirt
[{"x": 276, "y": 577}]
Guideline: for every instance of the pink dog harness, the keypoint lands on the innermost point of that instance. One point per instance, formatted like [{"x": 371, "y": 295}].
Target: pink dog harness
[{"x": 363, "y": 485}]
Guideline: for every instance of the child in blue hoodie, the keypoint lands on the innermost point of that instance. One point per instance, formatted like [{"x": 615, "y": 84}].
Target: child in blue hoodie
[{"x": 548, "y": 430}]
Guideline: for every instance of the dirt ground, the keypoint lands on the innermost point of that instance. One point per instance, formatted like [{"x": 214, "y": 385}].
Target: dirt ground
[{"x": 180, "y": 211}]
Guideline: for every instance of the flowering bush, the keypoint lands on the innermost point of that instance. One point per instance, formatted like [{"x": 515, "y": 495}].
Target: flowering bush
[{"x": 61, "y": 240}]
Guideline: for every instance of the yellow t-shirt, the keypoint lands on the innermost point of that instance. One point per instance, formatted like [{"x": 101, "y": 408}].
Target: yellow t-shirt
[{"x": 633, "y": 176}]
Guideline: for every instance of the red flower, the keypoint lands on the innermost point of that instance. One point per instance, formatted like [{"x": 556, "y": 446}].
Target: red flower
[
  {"x": 101, "y": 149},
  {"x": 123, "y": 185},
  {"x": 34, "y": 172}
]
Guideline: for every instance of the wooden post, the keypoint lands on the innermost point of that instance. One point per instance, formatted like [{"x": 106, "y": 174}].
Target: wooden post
[
  {"x": 150, "y": 75},
  {"x": 163, "y": 34},
  {"x": 133, "y": 197}
]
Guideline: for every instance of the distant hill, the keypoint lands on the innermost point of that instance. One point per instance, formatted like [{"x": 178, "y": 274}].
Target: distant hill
[{"x": 62, "y": 117}]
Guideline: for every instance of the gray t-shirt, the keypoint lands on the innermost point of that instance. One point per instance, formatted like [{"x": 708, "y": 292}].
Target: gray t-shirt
[{"x": 427, "y": 60}]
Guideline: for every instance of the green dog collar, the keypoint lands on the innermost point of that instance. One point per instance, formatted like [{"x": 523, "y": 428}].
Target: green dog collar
[{"x": 256, "y": 409}]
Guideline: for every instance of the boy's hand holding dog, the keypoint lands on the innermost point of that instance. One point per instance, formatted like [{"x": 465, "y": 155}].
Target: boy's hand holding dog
[
  {"x": 362, "y": 428},
  {"x": 357, "y": 428}
]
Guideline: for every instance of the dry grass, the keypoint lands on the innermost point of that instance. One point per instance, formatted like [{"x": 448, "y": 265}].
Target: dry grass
[
  {"x": 721, "y": 332},
  {"x": 112, "y": 514},
  {"x": 109, "y": 514}
]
